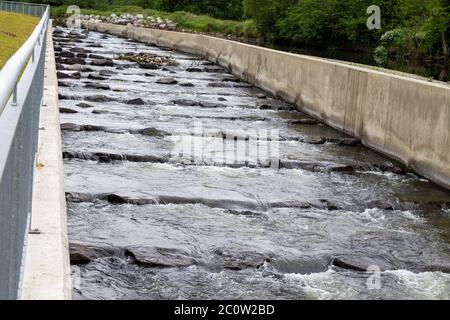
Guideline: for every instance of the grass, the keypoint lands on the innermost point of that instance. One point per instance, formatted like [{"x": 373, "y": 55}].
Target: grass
[
  {"x": 185, "y": 20},
  {"x": 14, "y": 31}
]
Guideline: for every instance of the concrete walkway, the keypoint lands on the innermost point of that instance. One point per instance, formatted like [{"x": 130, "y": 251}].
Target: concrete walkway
[{"x": 47, "y": 265}]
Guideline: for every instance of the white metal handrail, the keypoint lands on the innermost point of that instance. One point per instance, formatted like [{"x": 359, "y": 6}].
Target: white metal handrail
[{"x": 10, "y": 73}]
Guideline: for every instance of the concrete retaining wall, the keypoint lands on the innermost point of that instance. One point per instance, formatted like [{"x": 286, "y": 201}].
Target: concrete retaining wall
[
  {"x": 47, "y": 266},
  {"x": 403, "y": 117}
]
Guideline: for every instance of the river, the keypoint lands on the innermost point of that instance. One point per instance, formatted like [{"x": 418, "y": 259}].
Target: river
[{"x": 207, "y": 188}]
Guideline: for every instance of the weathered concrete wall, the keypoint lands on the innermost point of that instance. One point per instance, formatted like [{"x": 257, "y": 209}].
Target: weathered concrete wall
[
  {"x": 403, "y": 117},
  {"x": 47, "y": 266}
]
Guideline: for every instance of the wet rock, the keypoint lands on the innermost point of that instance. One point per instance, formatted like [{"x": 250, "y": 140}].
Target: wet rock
[
  {"x": 105, "y": 157},
  {"x": 98, "y": 57},
  {"x": 63, "y": 75},
  {"x": 82, "y": 55},
  {"x": 151, "y": 132},
  {"x": 168, "y": 81},
  {"x": 148, "y": 66},
  {"x": 231, "y": 79},
  {"x": 304, "y": 264},
  {"x": 83, "y": 254},
  {"x": 77, "y": 127},
  {"x": 148, "y": 59},
  {"x": 247, "y": 213},
  {"x": 213, "y": 69},
  {"x": 393, "y": 168},
  {"x": 80, "y": 50},
  {"x": 326, "y": 204},
  {"x": 94, "y": 45},
  {"x": 210, "y": 105},
  {"x": 159, "y": 257},
  {"x": 149, "y": 74},
  {"x": 106, "y": 72},
  {"x": 97, "y": 86},
  {"x": 62, "y": 96},
  {"x": 67, "y": 110},
  {"x": 242, "y": 260},
  {"x": 84, "y": 105},
  {"x": 221, "y": 99},
  {"x": 187, "y": 84},
  {"x": 362, "y": 263},
  {"x": 63, "y": 84},
  {"x": 304, "y": 121},
  {"x": 100, "y": 111},
  {"x": 219, "y": 85},
  {"x": 341, "y": 168},
  {"x": 57, "y": 49},
  {"x": 293, "y": 164},
  {"x": 242, "y": 85},
  {"x": 290, "y": 204},
  {"x": 314, "y": 140},
  {"x": 99, "y": 98},
  {"x": 194, "y": 69},
  {"x": 137, "y": 102},
  {"x": 93, "y": 76},
  {"x": 80, "y": 254},
  {"x": 76, "y": 197},
  {"x": 185, "y": 102},
  {"x": 74, "y": 61},
  {"x": 102, "y": 62},
  {"x": 349, "y": 142},
  {"x": 67, "y": 54}
]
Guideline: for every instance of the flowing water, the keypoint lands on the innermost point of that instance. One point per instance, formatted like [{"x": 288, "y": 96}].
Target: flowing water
[{"x": 161, "y": 205}]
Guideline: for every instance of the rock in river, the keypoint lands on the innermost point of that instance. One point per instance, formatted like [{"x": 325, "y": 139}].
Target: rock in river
[{"x": 167, "y": 81}]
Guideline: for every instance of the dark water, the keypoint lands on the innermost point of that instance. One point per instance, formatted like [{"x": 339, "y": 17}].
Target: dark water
[{"x": 179, "y": 222}]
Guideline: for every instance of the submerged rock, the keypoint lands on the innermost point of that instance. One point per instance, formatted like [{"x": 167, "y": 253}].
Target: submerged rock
[
  {"x": 63, "y": 75},
  {"x": 102, "y": 62},
  {"x": 167, "y": 81},
  {"x": 84, "y": 105},
  {"x": 97, "y": 86},
  {"x": 185, "y": 102},
  {"x": 83, "y": 254},
  {"x": 159, "y": 257},
  {"x": 137, "y": 101},
  {"x": 67, "y": 110},
  {"x": 99, "y": 98}
]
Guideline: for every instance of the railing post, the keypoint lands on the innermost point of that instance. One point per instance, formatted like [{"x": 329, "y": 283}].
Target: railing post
[{"x": 14, "y": 102}]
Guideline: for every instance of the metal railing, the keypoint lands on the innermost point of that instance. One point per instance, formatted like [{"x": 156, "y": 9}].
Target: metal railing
[{"x": 21, "y": 92}]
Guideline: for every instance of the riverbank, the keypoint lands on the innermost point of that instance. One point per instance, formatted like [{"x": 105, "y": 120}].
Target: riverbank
[
  {"x": 247, "y": 32},
  {"x": 14, "y": 31}
]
